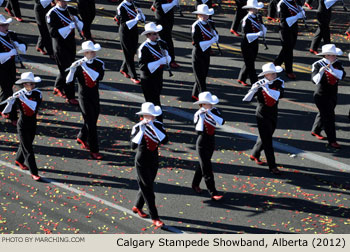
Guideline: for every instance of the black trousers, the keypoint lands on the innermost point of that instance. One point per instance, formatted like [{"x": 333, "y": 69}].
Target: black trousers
[
  {"x": 266, "y": 127},
  {"x": 25, "y": 152},
  {"x": 165, "y": 34},
  {"x": 240, "y": 14},
  {"x": 249, "y": 53},
  {"x": 205, "y": 147},
  {"x": 272, "y": 9},
  {"x": 7, "y": 80},
  {"x": 90, "y": 109},
  {"x": 288, "y": 40},
  {"x": 146, "y": 167},
  {"x": 87, "y": 11},
  {"x": 64, "y": 59},
  {"x": 323, "y": 32},
  {"x": 200, "y": 66},
  {"x": 14, "y": 5},
  {"x": 151, "y": 88},
  {"x": 129, "y": 42},
  {"x": 325, "y": 118},
  {"x": 44, "y": 39}
]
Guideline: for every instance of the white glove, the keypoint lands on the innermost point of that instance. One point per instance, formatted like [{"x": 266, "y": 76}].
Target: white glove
[
  {"x": 255, "y": 87},
  {"x": 202, "y": 110},
  {"x": 12, "y": 52},
  {"x": 349, "y": 56},
  {"x": 216, "y": 38},
  {"x": 72, "y": 25},
  {"x": 264, "y": 30},
  {"x": 20, "y": 47},
  {"x": 301, "y": 14},
  {"x": 141, "y": 13},
  {"x": 138, "y": 17},
  {"x": 260, "y": 33},
  {"x": 175, "y": 2},
  {"x": 163, "y": 60},
  {"x": 322, "y": 69}
]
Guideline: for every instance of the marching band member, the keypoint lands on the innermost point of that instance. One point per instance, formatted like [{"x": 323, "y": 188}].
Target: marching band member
[
  {"x": 205, "y": 120},
  {"x": 239, "y": 15},
  {"x": 87, "y": 11},
  {"x": 164, "y": 12},
  {"x": 8, "y": 45},
  {"x": 28, "y": 100},
  {"x": 271, "y": 11},
  {"x": 14, "y": 5},
  {"x": 268, "y": 91},
  {"x": 326, "y": 74},
  {"x": 253, "y": 28},
  {"x": 128, "y": 17},
  {"x": 146, "y": 136},
  {"x": 324, "y": 13},
  {"x": 290, "y": 12},
  {"x": 41, "y": 7},
  {"x": 61, "y": 21},
  {"x": 89, "y": 71},
  {"x": 152, "y": 58},
  {"x": 203, "y": 36}
]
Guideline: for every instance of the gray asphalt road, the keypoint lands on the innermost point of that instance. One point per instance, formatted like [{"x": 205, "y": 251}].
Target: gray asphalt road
[{"x": 80, "y": 195}]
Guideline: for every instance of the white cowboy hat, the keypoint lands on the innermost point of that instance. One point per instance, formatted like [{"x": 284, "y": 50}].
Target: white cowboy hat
[
  {"x": 148, "y": 108},
  {"x": 270, "y": 68},
  {"x": 89, "y": 46},
  {"x": 3, "y": 20},
  {"x": 152, "y": 27},
  {"x": 207, "y": 98},
  {"x": 330, "y": 49},
  {"x": 28, "y": 77},
  {"x": 253, "y": 4},
  {"x": 204, "y": 9}
]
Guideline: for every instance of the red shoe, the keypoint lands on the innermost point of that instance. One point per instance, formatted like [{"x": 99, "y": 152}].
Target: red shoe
[
  {"x": 242, "y": 82},
  {"x": 14, "y": 122},
  {"x": 153, "y": 8},
  {"x": 158, "y": 223},
  {"x": 235, "y": 33},
  {"x": 19, "y": 19},
  {"x": 135, "y": 81},
  {"x": 275, "y": 171},
  {"x": 174, "y": 65},
  {"x": 72, "y": 101},
  {"x": 116, "y": 19},
  {"x": 139, "y": 212},
  {"x": 194, "y": 98},
  {"x": 22, "y": 166},
  {"x": 96, "y": 155},
  {"x": 257, "y": 160},
  {"x": 308, "y": 5},
  {"x": 335, "y": 145},
  {"x": 9, "y": 12},
  {"x": 348, "y": 33},
  {"x": 291, "y": 76},
  {"x": 84, "y": 145},
  {"x": 36, "y": 177},
  {"x": 58, "y": 92},
  {"x": 217, "y": 197},
  {"x": 313, "y": 51},
  {"x": 197, "y": 189},
  {"x": 38, "y": 49},
  {"x": 125, "y": 74},
  {"x": 318, "y": 136}
]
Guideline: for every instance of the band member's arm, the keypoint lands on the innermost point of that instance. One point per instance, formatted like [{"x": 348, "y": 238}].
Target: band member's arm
[
  {"x": 21, "y": 46},
  {"x": 160, "y": 126}
]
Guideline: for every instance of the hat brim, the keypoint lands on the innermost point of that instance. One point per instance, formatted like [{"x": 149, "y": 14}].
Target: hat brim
[
  {"x": 96, "y": 48},
  {"x": 157, "y": 112},
  {"x": 259, "y": 6},
  {"x": 21, "y": 81},
  {"x": 209, "y": 13},
  {"x": 9, "y": 20},
  {"x": 338, "y": 52},
  {"x": 158, "y": 29},
  {"x": 278, "y": 70},
  {"x": 214, "y": 100}
]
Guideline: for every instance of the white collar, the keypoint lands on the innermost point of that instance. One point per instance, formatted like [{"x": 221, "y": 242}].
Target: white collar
[
  {"x": 252, "y": 14},
  {"x": 151, "y": 42},
  {"x": 203, "y": 22},
  {"x": 127, "y": 3},
  {"x": 89, "y": 61},
  {"x": 3, "y": 34}
]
